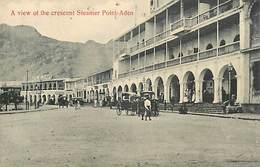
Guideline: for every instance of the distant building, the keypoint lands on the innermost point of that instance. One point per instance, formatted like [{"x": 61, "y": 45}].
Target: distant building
[
  {"x": 10, "y": 86},
  {"x": 98, "y": 85},
  {"x": 47, "y": 91},
  {"x": 74, "y": 87}
]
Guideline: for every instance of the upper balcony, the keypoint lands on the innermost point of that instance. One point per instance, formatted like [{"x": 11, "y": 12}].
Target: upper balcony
[
  {"x": 185, "y": 24},
  {"x": 192, "y": 57}
]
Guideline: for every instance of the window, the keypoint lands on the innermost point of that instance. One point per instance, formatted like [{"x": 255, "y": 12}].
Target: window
[
  {"x": 171, "y": 56},
  {"x": 180, "y": 54},
  {"x": 256, "y": 75},
  {"x": 237, "y": 38},
  {"x": 195, "y": 50},
  {"x": 209, "y": 46},
  {"x": 222, "y": 42}
]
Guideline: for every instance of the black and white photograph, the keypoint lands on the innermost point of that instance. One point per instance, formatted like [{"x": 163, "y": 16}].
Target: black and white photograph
[{"x": 129, "y": 83}]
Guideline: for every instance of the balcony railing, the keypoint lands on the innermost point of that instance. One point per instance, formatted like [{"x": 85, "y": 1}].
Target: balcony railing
[
  {"x": 226, "y": 49},
  {"x": 226, "y": 6},
  {"x": 149, "y": 41},
  {"x": 187, "y": 23},
  {"x": 148, "y": 68},
  {"x": 160, "y": 36},
  {"x": 159, "y": 66},
  {"x": 184, "y": 23},
  {"x": 208, "y": 15},
  {"x": 135, "y": 72},
  {"x": 122, "y": 51},
  {"x": 208, "y": 54},
  {"x": 173, "y": 62},
  {"x": 229, "y": 48},
  {"x": 189, "y": 58},
  {"x": 123, "y": 75}
]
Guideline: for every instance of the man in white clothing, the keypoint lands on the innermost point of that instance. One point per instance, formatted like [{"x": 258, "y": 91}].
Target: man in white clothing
[{"x": 147, "y": 106}]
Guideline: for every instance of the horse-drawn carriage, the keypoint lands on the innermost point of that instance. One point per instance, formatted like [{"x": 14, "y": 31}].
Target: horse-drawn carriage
[
  {"x": 63, "y": 102},
  {"x": 135, "y": 104},
  {"x": 128, "y": 103}
]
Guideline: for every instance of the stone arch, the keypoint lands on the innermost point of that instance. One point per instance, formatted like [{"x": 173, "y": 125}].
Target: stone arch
[
  {"x": 126, "y": 88},
  {"x": 189, "y": 87},
  {"x": 119, "y": 91},
  {"x": 114, "y": 93},
  {"x": 140, "y": 87},
  {"x": 133, "y": 88},
  {"x": 159, "y": 89},
  {"x": 207, "y": 86},
  {"x": 227, "y": 88},
  {"x": 148, "y": 85},
  {"x": 173, "y": 89}
]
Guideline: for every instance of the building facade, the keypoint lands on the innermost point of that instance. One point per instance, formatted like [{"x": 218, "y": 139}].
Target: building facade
[
  {"x": 192, "y": 50},
  {"x": 47, "y": 91},
  {"x": 98, "y": 85}
]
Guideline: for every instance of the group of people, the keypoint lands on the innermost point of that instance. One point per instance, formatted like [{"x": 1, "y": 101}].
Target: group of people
[{"x": 145, "y": 107}]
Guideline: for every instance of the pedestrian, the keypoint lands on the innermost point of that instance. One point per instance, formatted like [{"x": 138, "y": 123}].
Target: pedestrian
[
  {"x": 78, "y": 104},
  {"x": 75, "y": 104},
  {"x": 147, "y": 106}
]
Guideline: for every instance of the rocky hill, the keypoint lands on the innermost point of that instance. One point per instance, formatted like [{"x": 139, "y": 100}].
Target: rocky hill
[{"x": 23, "y": 47}]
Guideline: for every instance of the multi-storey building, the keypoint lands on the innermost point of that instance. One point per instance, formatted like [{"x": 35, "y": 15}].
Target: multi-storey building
[
  {"x": 195, "y": 50},
  {"x": 98, "y": 85},
  {"x": 43, "y": 90},
  {"x": 74, "y": 87},
  {"x": 47, "y": 90}
]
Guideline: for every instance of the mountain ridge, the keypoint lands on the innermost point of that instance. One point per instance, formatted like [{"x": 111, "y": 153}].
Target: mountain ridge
[{"x": 22, "y": 47}]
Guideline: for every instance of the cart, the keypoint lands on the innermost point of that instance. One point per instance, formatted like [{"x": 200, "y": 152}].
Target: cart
[{"x": 128, "y": 103}]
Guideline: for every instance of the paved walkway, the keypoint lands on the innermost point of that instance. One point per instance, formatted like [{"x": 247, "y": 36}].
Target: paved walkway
[
  {"x": 42, "y": 108},
  {"x": 243, "y": 116}
]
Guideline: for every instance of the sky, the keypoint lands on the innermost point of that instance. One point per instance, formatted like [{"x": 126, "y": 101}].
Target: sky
[{"x": 75, "y": 28}]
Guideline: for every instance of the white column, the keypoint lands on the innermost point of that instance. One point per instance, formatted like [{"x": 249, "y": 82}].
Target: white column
[
  {"x": 182, "y": 87},
  {"x": 239, "y": 89},
  {"x": 217, "y": 90},
  {"x": 244, "y": 27},
  {"x": 166, "y": 92},
  {"x": 198, "y": 87}
]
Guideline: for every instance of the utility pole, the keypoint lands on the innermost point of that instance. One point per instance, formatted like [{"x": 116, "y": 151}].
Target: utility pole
[{"x": 26, "y": 96}]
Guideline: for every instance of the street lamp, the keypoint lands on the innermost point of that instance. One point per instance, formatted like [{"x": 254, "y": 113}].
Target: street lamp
[{"x": 230, "y": 69}]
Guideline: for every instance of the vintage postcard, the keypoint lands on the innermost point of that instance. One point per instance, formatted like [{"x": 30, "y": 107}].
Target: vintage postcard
[{"x": 129, "y": 83}]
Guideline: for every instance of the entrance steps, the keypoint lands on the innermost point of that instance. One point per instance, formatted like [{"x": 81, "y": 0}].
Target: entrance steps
[{"x": 195, "y": 107}]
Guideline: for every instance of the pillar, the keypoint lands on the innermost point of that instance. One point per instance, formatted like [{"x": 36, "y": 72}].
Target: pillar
[
  {"x": 217, "y": 90},
  {"x": 244, "y": 25},
  {"x": 198, "y": 91},
  {"x": 182, "y": 87},
  {"x": 239, "y": 89}
]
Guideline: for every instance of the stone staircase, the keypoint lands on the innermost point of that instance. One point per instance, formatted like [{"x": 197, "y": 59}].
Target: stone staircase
[{"x": 197, "y": 107}]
